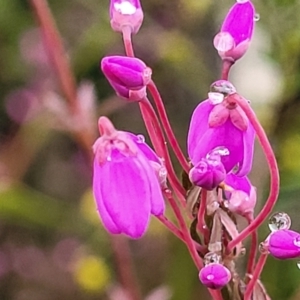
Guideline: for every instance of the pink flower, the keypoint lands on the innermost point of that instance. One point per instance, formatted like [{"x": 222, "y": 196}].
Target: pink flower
[
  {"x": 217, "y": 125},
  {"x": 127, "y": 75},
  {"x": 236, "y": 33},
  {"x": 209, "y": 172},
  {"x": 284, "y": 244},
  {"x": 214, "y": 276},
  {"x": 241, "y": 196},
  {"x": 126, "y": 13},
  {"x": 125, "y": 184}
]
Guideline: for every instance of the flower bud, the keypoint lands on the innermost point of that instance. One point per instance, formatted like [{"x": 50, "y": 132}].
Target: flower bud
[
  {"x": 284, "y": 244},
  {"x": 126, "y": 13},
  {"x": 127, "y": 75},
  {"x": 235, "y": 36},
  {"x": 214, "y": 276},
  {"x": 208, "y": 173}
]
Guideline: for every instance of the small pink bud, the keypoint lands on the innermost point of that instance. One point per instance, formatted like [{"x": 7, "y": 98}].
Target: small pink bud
[
  {"x": 235, "y": 36},
  {"x": 284, "y": 244},
  {"x": 127, "y": 75},
  {"x": 126, "y": 13},
  {"x": 214, "y": 276},
  {"x": 208, "y": 173}
]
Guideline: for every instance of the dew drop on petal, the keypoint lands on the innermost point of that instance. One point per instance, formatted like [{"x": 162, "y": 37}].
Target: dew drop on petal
[
  {"x": 297, "y": 241},
  {"x": 224, "y": 41},
  {"x": 279, "y": 221},
  {"x": 210, "y": 277},
  {"x": 141, "y": 138},
  {"x": 125, "y": 8},
  {"x": 256, "y": 17},
  {"x": 215, "y": 98},
  {"x": 223, "y": 86},
  {"x": 211, "y": 257},
  {"x": 242, "y": 1},
  {"x": 108, "y": 158}
]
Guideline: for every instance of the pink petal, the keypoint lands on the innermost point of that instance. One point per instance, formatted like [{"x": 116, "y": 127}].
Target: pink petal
[{"x": 126, "y": 194}]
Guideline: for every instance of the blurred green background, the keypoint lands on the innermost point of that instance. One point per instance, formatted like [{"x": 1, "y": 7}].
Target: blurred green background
[{"x": 52, "y": 244}]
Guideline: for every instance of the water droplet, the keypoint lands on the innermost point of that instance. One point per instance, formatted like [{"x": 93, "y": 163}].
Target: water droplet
[
  {"x": 279, "y": 221},
  {"x": 256, "y": 17},
  {"x": 297, "y": 242},
  {"x": 211, "y": 257},
  {"x": 210, "y": 277},
  {"x": 242, "y": 1},
  {"x": 223, "y": 86},
  {"x": 263, "y": 248},
  {"x": 222, "y": 151},
  {"x": 215, "y": 98},
  {"x": 125, "y": 8},
  {"x": 141, "y": 138},
  {"x": 298, "y": 264},
  {"x": 224, "y": 41},
  {"x": 108, "y": 158}
]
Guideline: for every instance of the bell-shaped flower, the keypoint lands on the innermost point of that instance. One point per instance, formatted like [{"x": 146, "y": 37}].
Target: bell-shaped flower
[
  {"x": 127, "y": 75},
  {"x": 209, "y": 172},
  {"x": 126, "y": 13},
  {"x": 284, "y": 244},
  {"x": 126, "y": 187},
  {"x": 217, "y": 125},
  {"x": 214, "y": 276},
  {"x": 241, "y": 195},
  {"x": 236, "y": 32}
]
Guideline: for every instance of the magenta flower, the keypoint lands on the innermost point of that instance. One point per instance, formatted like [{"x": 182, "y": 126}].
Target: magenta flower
[
  {"x": 284, "y": 244},
  {"x": 209, "y": 172},
  {"x": 126, "y": 13},
  {"x": 241, "y": 195},
  {"x": 125, "y": 184},
  {"x": 221, "y": 127},
  {"x": 235, "y": 36},
  {"x": 127, "y": 75},
  {"x": 214, "y": 276}
]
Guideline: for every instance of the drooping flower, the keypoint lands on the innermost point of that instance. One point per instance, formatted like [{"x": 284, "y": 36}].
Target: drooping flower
[
  {"x": 126, "y": 13},
  {"x": 241, "y": 195},
  {"x": 217, "y": 125},
  {"x": 284, "y": 244},
  {"x": 214, "y": 276},
  {"x": 127, "y": 75},
  {"x": 126, "y": 187},
  {"x": 236, "y": 32}
]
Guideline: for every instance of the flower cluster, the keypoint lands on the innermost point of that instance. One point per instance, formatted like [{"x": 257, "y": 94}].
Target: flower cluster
[{"x": 131, "y": 180}]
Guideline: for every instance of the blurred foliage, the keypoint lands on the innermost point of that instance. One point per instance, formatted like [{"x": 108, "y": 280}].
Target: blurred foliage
[{"x": 52, "y": 245}]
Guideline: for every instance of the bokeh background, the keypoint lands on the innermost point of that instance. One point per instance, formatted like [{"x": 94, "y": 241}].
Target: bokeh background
[{"x": 52, "y": 244}]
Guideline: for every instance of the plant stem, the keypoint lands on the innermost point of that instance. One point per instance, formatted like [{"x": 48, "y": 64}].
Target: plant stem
[
  {"x": 226, "y": 66},
  {"x": 170, "y": 226},
  {"x": 274, "y": 174},
  {"x": 126, "y": 32},
  {"x": 167, "y": 127},
  {"x": 257, "y": 271}
]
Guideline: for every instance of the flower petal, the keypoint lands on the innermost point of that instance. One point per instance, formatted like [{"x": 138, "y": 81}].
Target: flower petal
[
  {"x": 126, "y": 194},
  {"x": 198, "y": 125},
  {"x": 227, "y": 136}
]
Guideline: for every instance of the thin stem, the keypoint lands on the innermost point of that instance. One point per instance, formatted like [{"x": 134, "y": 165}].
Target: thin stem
[
  {"x": 227, "y": 64},
  {"x": 170, "y": 226},
  {"x": 258, "y": 269},
  {"x": 56, "y": 52},
  {"x": 201, "y": 213},
  {"x": 167, "y": 127},
  {"x": 252, "y": 253},
  {"x": 274, "y": 174},
  {"x": 159, "y": 143},
  {"x": 126, "y": 32},
  {"x": 124, "y": 265}
]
